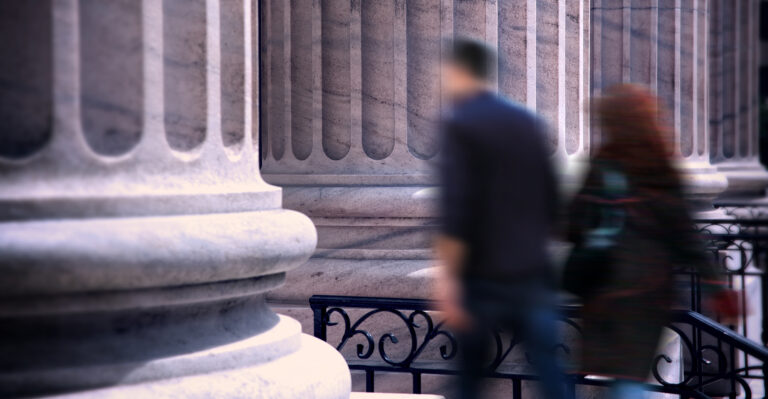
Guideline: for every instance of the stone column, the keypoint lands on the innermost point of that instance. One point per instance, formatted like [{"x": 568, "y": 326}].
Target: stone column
[
  {"x": 663, "y": 44},
  {"x": 137, "y": 239},
  {"x": 352, "y": 92},
  {"x": 734, "y": 104},
  {"x": 734, "y": 110}
]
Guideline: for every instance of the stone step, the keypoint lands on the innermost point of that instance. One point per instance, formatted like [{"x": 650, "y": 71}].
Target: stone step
[{"x": 378, "y": 395}]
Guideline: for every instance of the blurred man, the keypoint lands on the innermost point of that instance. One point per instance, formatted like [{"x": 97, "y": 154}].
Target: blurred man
[{"x": 498, "y": 206}]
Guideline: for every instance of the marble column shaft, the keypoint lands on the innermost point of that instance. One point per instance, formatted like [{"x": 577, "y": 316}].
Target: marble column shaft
[
  {"x": 352, "y": 89},
  {"x": 663, "y": 44},
  {"x": 734, "y": 105}
]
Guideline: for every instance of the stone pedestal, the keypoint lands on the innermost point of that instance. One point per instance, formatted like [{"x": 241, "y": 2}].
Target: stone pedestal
[{"x": 137, "y": 239}]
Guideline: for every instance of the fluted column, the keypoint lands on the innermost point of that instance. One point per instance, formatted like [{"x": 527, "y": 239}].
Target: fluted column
[
  {"x": 353, "y": 93},
  {"x": 734, "y": 106},
  {"x": 663, "y": 44},
  {"x": 137, "y": 239},
  {"x": 734, "y": 114}
]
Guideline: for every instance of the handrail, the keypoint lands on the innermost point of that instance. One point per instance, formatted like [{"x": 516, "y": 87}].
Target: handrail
[
  {"x": 745, "y": 222},
  {"x": 723, "y": 333}
]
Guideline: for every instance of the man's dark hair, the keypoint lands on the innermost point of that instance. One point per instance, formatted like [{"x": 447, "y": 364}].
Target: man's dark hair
[{"x": 474, "y": 56}]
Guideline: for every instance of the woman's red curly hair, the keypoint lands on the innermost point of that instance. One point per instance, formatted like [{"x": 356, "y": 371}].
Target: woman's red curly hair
[{"x": 635, "y": 136}]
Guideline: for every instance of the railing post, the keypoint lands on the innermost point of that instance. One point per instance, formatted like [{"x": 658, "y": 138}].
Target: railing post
[
  {"x": 571, "y": 387},
  {"x": 760, "y": 260},
  {"x": 416, "y": 382},
  {"x": 764, "y": 333},
  {"x": 368, "y": 380},
  {"x": 765, "y": 377},
  {"x": 319, "y": 315},
  {"x": 517, "y": 389}
]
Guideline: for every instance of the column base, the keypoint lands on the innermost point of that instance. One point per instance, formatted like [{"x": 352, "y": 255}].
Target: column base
[
  {"x": 745, "y": 179},
  {"x": 314, "y": 370}
]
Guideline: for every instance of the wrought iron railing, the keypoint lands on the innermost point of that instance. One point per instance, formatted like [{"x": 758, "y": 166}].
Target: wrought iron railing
[
  {"x": 420, "y": 345},
  {"x": 740, "y": 248},
  {"x": 717, "y": 360}
]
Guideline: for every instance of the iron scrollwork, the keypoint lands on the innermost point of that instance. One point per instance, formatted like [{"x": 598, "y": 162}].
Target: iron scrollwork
[
  {"x": 421, "y": 331},
  {"x": 431, "y": 332},
  {"x": 713, "y": 354},
  {"x": 717, "y": 361}
]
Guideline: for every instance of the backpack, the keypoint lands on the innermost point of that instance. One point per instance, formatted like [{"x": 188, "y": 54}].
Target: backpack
[{"x": 590, "y": 266}]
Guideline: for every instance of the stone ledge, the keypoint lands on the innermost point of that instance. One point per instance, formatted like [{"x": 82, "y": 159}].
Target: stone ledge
[{"x": 393, "y": 278}]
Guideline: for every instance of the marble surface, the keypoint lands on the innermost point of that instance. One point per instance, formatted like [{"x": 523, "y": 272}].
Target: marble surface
[
  {"x": 137, "y": 238},
  {"x": 142, "y": 354},
  {"x": 47, "y": 257},
  {"x": 294, "y": 376},
  {"x": 403, "y": 278}
]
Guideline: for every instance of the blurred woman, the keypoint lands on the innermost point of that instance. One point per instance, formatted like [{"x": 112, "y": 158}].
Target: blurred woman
[{"x": 630, "y": 228}]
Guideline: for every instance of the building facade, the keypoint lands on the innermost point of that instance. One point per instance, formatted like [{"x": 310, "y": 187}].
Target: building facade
[
  {"x": 351, "y": 93},
  {"x": 139, "y": 244}
]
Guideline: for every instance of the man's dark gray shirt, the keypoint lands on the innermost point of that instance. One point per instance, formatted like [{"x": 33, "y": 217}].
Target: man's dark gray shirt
[{"x": 499, "y": 193}]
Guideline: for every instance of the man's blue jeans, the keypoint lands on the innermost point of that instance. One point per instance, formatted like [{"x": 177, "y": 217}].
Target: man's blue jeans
[
  {"x": 627, "y": 390},
  {"x": 525, "y": 312}
]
